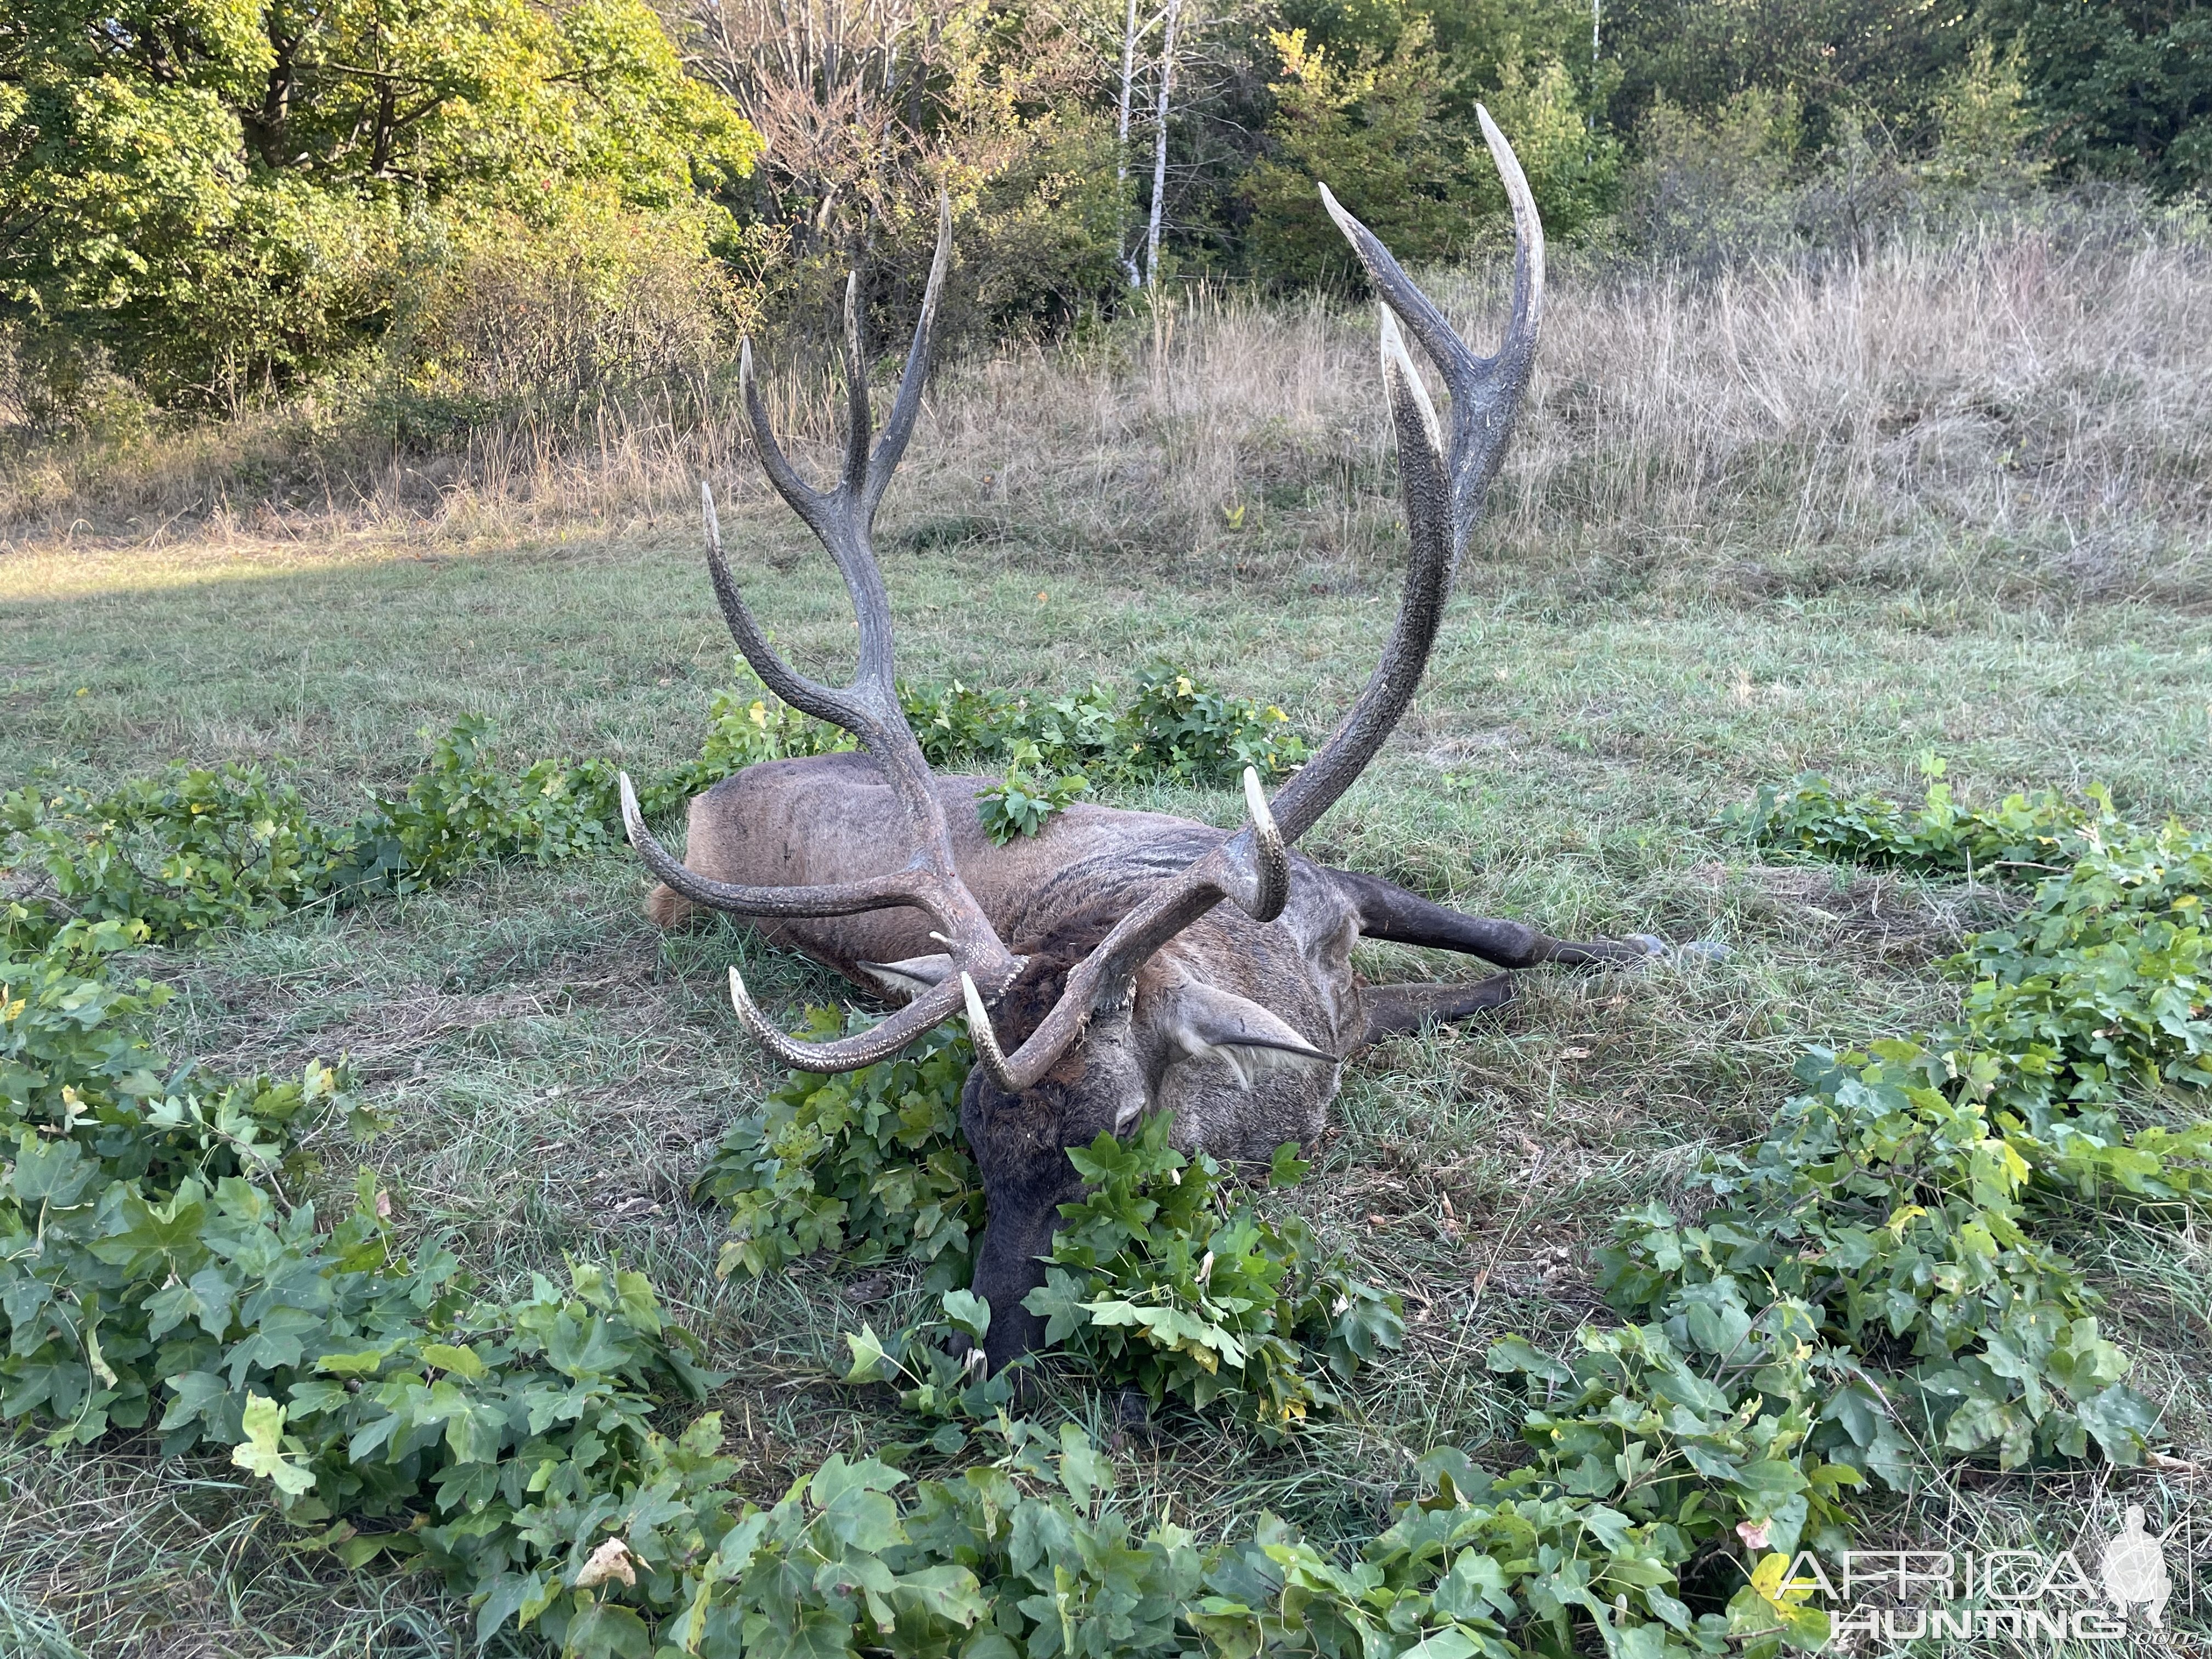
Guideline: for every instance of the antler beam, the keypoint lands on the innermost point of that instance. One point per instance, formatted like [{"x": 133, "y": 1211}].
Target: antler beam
[{"x": 843, "y": 519}]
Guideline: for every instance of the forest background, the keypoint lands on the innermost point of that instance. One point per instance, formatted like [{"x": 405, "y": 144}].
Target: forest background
[{"x": 406, "y": 217}]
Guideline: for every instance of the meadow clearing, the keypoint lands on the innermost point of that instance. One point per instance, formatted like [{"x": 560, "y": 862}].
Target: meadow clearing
[{"x": 1949, "y": 498}]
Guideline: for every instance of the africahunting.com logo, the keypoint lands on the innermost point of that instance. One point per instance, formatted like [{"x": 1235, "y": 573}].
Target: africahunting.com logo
[{"x": 2019, "y": 1595}]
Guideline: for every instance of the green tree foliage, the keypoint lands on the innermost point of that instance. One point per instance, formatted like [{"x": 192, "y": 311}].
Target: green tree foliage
[
  {"x": 1573, "y": 162},
  {"x": 530, "y": 209},
  {"x": 1986, "y": 137},
  {"x": 1871, "y": 60},
  {"x": 217, "y": 190},
  {"x": 1369, "y": 126},
  {"x": 1379, "y": 128},
  {"x": 2123, "y": 88}
]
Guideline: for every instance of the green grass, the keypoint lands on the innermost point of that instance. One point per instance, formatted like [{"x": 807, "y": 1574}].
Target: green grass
[{"x": 556, "y": 1071}]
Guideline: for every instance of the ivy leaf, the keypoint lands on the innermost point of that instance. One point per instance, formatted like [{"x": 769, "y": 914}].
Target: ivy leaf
[{"x": 1444, "y": 1644}]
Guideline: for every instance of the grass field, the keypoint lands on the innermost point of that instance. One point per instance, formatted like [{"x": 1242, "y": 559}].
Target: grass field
[{"x": 1889, "y": 527}]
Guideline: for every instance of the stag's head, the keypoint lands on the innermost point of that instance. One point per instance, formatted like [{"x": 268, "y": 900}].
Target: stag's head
[{"x": 1066, "y": 1016}]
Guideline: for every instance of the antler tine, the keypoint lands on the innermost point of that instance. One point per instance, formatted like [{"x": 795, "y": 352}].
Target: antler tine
[
  {"x": 860, "y": 422},
  {"x": 1485, "y": 391},
  {"x": 778, "y": 675},
  {"x": 813, "y": 506},
  {"x": 913, "y": 885},
  {"x": 832, "y": 516},
  {"x": 878, "y": 1042},
  {"x": 1432, "y": 555},
  {"x": 898, "y": 426},
  {"x": 1257, "y": 873},
  {"x": 1441, "y": 489},
  {"x": 989, "y": 1054}
]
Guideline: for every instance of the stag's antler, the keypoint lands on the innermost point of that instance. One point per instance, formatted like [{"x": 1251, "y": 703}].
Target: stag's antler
[
  {"x": 1443, "y": 489},
  {"x": 844, "y": 519}
]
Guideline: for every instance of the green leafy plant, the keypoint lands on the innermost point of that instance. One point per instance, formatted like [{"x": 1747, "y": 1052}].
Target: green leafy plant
[
  {"x": 1870, "y": 1295},
  {"x": 2020, "y": 834},
  {"x": 1021, "y": 802},
  {"x": 932, "y": 1381},
  {"x": 1175, "y": 727},
  {"x": 464, "y": 807},
  {"x": 1164, "y": 1277},
  {"x": 190, "y": 849},
  {"x": 1893, "y": 1222},
  {"x": 867, "y": 1163},
  {"x": 2101, "y": 982},
  {"x": 187, "y": 850},
  {"x": 1179, "y": 727}
]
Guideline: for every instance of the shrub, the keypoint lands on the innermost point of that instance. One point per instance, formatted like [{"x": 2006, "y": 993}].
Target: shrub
[
  {"x": 503, "y": 314},
  {"x": 1573, "y": 162},
  {"x": 869, "y": 1165},
  {"x": 1162, "y": 1278},
  {"x": 189, "y": 848},
  {"x": 1703, "y": 190}
]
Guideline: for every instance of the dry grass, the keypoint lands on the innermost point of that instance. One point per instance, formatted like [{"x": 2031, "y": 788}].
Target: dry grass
[{"x": 2005, "y": 410}]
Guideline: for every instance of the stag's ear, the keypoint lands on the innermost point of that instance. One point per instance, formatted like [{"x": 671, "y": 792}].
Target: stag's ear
[
  {"x": 1206, "y": 1022},
  {"x": 911, "y": 977}
]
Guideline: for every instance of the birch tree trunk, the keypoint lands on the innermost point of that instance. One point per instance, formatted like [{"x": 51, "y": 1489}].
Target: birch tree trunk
[
  {"x": 1160, "y": 146},
  {"x": 1121, "y": 140}
]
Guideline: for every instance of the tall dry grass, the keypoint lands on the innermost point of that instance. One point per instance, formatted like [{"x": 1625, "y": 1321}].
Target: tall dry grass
[{"x": 2004, "y": 402}]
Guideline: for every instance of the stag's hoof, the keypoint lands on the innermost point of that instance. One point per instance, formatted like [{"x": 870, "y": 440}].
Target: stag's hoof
[{"x": 1651, "y": 944}]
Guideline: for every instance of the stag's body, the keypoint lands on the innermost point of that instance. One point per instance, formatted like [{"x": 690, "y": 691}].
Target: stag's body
[
  {"x": 1119, "y": 963},
  {"x": 1224, "y": 977},
  {"x": 819, "y": 821}
]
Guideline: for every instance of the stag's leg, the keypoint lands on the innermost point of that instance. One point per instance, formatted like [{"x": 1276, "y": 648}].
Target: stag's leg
[
  {"x": 1394, "y": 1009},
  {"x": 1387, "y": 911}
]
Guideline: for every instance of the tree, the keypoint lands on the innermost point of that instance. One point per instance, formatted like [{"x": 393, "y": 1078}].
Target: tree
[
  {"x": 1370, "y": 129},
  {"x": 214, "y": 190},
  {"x": 871, "y": 107},
  {"x": 2124, "y": 87},
  {"x": 1840, "y": 60}
]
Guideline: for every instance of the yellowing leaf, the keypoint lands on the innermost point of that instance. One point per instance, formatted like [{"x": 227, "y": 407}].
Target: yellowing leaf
[
  {"x": 263, "y": 1453},
  {"x": 461, "y": 1362},
  {"x": 612, "y": 1559}
]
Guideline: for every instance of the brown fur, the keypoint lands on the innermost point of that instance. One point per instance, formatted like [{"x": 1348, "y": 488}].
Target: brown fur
[{"x": 668, "y": 909}]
